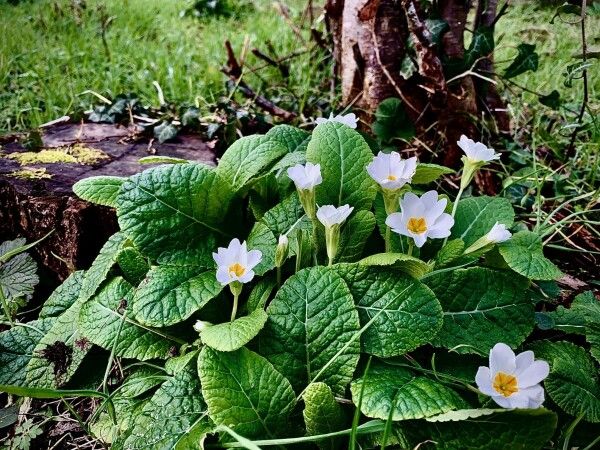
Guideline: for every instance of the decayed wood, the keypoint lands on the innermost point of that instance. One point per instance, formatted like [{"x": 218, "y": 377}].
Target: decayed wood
[{"x": 32, "y": 207}]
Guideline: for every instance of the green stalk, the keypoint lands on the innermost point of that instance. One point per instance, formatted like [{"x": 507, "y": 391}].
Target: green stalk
[
  {"x": 111, "y": 357},
  {"x": 236, "y": 289},
  {"x": 570, "y": 430},
  {"x": 411, "y": 245}
]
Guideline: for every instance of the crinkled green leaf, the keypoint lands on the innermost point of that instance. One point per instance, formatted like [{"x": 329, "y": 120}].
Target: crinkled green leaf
[
  {"x": 177, "y": 363},
  {"x": 229, "y": 336},
  {"x": 170, "y": 294},
  {"x": 475, "y": 217},
  {"x": 523, "y": 253},
  {"x": 573, "y": 382},
  {"x": 63, "y": 296},
  {"x": 292, "y": 138},
  {"x": 481, "y": 308},
  {"x": 102, "y": 322},
  {"x": 522, "y": 429},
  {"x": 18, "y": 276},
  {"x": 245, "y": 392},
  {"x": 354, "y": 236},
  {"x": 16, "y": 347},
  {"x": 248, "y": 158},
  {"x": 322, "y": 414},
  {"x": 398, "y": 261},
  {"x": 389, "y": 388},
  {"x": 141, "y": 380},
  {"x": 311, "y": 319},
  {"x": 174, "y": 411},
  {"x": 391, "y": 121},
  {"x": 588, "y": 306},
  {"x": 449, "y": 253},
  {"x": 162, "y": 159},
  {"x": 133, "y": 265},
  {"x": 262, "y": 238},
  {"x": 289, "y": 160},
  {"x": 427, "y": 173},
  {"x": 403, "y": 313},
  {"x": 172, "y": 207},
  {"x": 260, "y": 294},
  {"x": 343, "y": 155},
  {"x": 102, "y": 190}
]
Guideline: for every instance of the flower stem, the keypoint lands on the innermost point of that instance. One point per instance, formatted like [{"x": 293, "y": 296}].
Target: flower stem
[
  {"x": 388, "y": 237},
  {"x": 5, "y": 307},
  {"x": 236, "y": 289},
  {"x": 315, "y": 239},
  {"x": 411, "y": 245},
  {"x": 279, "y": 276},
  {"x": 458, "y": 196}
]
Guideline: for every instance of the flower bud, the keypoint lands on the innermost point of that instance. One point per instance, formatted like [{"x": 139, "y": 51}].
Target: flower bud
[
  {"x": 281, "y": 253},
  {"x": 201, "y": 325}
]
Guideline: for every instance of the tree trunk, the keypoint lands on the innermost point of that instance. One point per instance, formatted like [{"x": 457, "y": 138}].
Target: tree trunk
[{"x": 371, "y": 40}]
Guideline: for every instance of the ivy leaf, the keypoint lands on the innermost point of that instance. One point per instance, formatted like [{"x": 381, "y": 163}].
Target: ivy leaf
[
  {"x": 311, "y": 319},
  {"x": 174, "y": 412},
  {"x": 526, "y": 59},
  {"x": 172, "y": 206},
  {"x": 16, "y": 347},
  {"x": 102, "y": 322},
  {"x": 63, "y": 296},
  {"x": 437, "y": 28},
  {"x": 343, "y": 155},
  {"x": 165, "y": 131},
  {"x": 248, "y": 158},
  {"x": 102, "y": 190},
  {"x": 230, "y": 336},
  {"x": 388, "y": 388},
  {"x": 573, "y": 382},
  {"x": 482, "y": 45},
  {"x": 427, "y": 173},
  {"x": 404, "y": 314},
  {"x": 322, "y": 414},
  {"x": 399, "y": 261},
  {"x": 244, "y": 392},
  {"x": 391, "y": 121},
  {"x": 354, "y": 236},
  {"x": 171, "y": 293},
  {"x": 475, "y": 216},
  {"x": 551, "y": 100},
  {"x": 523, "y": 253},
  {"x": 481, "y": 307}
]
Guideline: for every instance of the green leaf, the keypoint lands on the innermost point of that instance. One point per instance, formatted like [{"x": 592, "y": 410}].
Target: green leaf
[
  {"x": 475, "y": 217},
  {"x": 391, "y": 121},
  {"x": 248, "y": 158},
  {"x": 172, "y": 206},
  {"x": 102, "y": 190},
  {"x": 523, "y": 253},
  {"x": 481, "y": 308},
  {"x": 18, "y": 276},
  {"x": 354, "y": 236},
  {"x": 428, "y": 173},
  {"x": 437, "y": 28},
  {"x": 388, "y": 388},
  {"x": 172, "y": 293},
  {"x": 311, "y": 319},
  {"x": 165, "y": 131},
  {"x": 403, "y": 313},
  {"x": 449, "y": 253},
  {"x": 588, "y": 306},
  {"x": 526, "y": 59},
  {"x": 343, "y": 155},
  {"x": 230, "y": 336},
  {"x": 16, "y": 347},
  {"x": 162, "y": 159},
  {"x": 141, "y": 380},
  {"x": 482, "y": 45},
  {"x": 178, "y": 363},
  {"x": 174, "y": 412},
  {"x": 63, "y": 296},
  {"x": 293, "y": 139},
  {"x": 260, "y": 294},
  {"x": 322, "y": 414},
  {"x": 262, "y": 238},
  {"x": 464, "y": 414},
  {"x": 133, "y": 265},
  {"x": 573, "y": 382},
  {"x": 102, "y": 322},
  {"x": 244, "y": 392},
  {"x": 551, "y": 100},
  {"x": 521, "y": 429},
  {"x": 398, "y": 261}
]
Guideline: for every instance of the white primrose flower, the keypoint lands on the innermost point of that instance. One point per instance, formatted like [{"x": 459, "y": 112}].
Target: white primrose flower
[
  {"x": 421, "y": 217},
  {"x": 513, "y": 381},
  {"x": 305, "y": 177},
  {"x": 329, "y": 215},
  {"x": 498, "y": 234},
  {"x": 477, "y": 152},
  {"x": 235, "y": 263},
  {"x": 390, "y": 171},
  {"x": 348, "y": 119}
]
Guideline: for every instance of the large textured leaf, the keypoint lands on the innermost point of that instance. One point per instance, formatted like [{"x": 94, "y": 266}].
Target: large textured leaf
[
  {"x": 475, "y": 216},
  {"x": 354, "y": 236},
  {"x": 102, "y": 322},
  {"x": 247, "y": 158},
  {"x": 428, "y": 173},
  {"x": 16, "y": 347},
  {"x": 63, "y": 296},
  {"x": 573, "y": 382},
  {"x": 403, "y": 313},
  {"x": 524, "y": 429},
  {"x": 388, "y": 388},
  {"x": 245, "y": 392},
  {"x": 262, "y": 238},
  {"x": 174, "y": 411},
  {"x": 170, "y": 294},
  {"x": 229, "y": 336},
  {"x": 398, "y": 261},
  {"x": 292, "y": 138},
  {"x": 18, "y": 275},
  {"x": 391, "y": 121},
  {"x": 588, "y": 306},
  {"x": 172, "y": 206},
  {"x": 523, "y": 253},
  {"x": 322, "y": 413},
  {"x": 343, "y": 155},
  {"x": 311, "y": 318},
  {"x": 133, "y": 265},
  {"x": 102, "y": 190},
  {"x": 481, "y": 308}
]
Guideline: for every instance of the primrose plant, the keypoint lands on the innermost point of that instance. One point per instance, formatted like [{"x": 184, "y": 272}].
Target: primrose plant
[{"x": 312, "y": 290}]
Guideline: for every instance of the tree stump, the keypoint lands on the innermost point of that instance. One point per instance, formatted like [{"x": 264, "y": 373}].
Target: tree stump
[{"x": 36, "y": 197}]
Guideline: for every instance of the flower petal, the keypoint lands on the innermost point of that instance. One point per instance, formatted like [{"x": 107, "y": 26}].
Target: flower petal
[
  {"x": 535, "y": 373},
  {"x": 502, "y": 359},
  {"x": 223, "y": 276},
  {"x": 419, "y": 239},
  {"x": 504, "y": 402},
  {"x": 246, "y": 277},
  {"x": 254, "y": 257},
  {"x": 483, "y": 378},
  {"x": 523, "y": 361}
]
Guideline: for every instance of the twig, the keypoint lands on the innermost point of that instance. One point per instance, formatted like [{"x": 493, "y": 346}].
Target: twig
[{"x": 283, "y": 68}]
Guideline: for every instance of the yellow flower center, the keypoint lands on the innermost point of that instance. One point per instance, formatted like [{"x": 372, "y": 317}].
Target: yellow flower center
[
  {"x": 417, "y": 225},
  {"x": 237, "y": 269},
  {"x": 505, "y": 384},
  {"x": 392, "y": 177}
]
